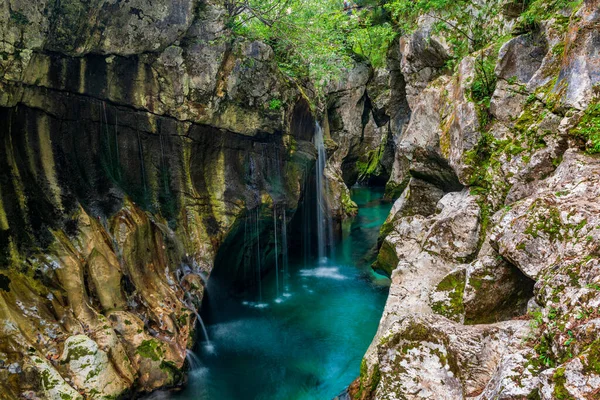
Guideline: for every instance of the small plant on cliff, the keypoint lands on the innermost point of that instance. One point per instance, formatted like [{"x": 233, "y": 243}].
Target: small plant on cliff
[
  {"x": 536, "y": 11},
  {"x": 588, "y": 129},
  {"x": 275, "y": 104},
  {"x": 482, "y": 88},
  {"x": 469, "y": 28}
]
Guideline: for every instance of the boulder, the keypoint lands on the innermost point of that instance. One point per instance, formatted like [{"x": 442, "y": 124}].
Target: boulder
[{"x": 91, "y": 368}]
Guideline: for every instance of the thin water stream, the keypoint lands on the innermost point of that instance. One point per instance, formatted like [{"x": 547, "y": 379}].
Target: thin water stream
[{"x": 306, "y": 338}]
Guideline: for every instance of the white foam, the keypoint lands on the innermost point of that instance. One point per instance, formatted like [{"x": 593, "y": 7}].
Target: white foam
[
  {"x": 255, "y": 305},
  {"x": 323, "y": 272},
  {"x": 210, "y": 348}
]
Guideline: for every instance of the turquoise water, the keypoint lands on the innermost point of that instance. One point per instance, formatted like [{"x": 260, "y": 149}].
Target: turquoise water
[{"x": 306, "y": 345}]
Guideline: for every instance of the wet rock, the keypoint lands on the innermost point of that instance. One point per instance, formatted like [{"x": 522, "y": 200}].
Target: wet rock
[
  {"x": 53, "y": 384},
  {"x": 91, "y": 368}
]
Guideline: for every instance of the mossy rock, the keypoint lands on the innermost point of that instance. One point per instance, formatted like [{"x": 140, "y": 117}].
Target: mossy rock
[
  {"x": 447, "y": 299},
  {"x": 387, "y": 259}
]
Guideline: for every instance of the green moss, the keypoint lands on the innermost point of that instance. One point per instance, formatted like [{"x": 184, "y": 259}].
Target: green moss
[
  {"x": 364, "y": 370},
  {"x": 387, "y": 259},
  {"x": 559, "y": 49},
  {"x": 275, "y": 105},
  {"x": 348, "y": 205},
  {"x": 168, "y": 367},
  {"x": 477, "y": 283},
  {"x": 588, "y": 129},
  {"x": 151, "y": 349},
  {"x": 593, "y": 357},
  {"x": 77, "y": 352},
  {"x": 560, "y": 392},
  {"x": 68, "y": 16},
  {"x": 375, "y": 378},
  {"x": 394, "y": 190},
  {"x": 47, "y": 380},
  {"x": 371, "y": 166},
  {"x": 454, "y": 286},
  {"x": 534, "y": 395},
  {"x": 549, "y": 223},
  {"x": 92, "y": 374},
  {"x": 368, "y": 384}
]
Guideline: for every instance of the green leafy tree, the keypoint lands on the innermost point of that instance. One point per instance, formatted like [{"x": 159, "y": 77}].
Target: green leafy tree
[{"x": 314, "y": 39}]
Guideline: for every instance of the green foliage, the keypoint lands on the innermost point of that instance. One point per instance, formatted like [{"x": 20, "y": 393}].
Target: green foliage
[
  {"x": 372, "y": 41},
  {"x": 482, "y": 88},
  {"x": 588, "y": 129},
  {"x": 314, "y": 39},
  {"x": 19, "y": 18},
  {"x": 541, "y": 10},
  {"x": 275, "y": 104},
  {"x": 467, "y": 26}
]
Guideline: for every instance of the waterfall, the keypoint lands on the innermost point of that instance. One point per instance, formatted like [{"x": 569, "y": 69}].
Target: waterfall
[
  {"x": 193, "y": 360},
  {"x": 324, "y": 220},
  {"x": 191, "y": 307},
  {"x": 163, "y": 163},
  {"x": 117, "y": 145},
  {"x": 258, "y": 258},
  {"x": 284, "y": 253},
  {"x": 141, "y": 153},
  {"x": 107, "y": 138},
  {"x": 276, "y": 251}
]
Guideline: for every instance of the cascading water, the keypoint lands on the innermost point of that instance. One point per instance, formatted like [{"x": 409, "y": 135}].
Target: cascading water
[
  {"x": 193, "y": 360},
  {"x": 191, "y": 307},
  {"x": 309, "y": 344},
  {"x": 276, "y": 251},
  {"x": 302, "y": 330},
  {"x": 258, "y": 259},
  {"x": 324, "y": 219},
  {"x": 284, "y": 253}
]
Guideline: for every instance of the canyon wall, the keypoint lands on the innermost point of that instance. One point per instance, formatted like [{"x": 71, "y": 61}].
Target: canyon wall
[
  {"x": 134, "y": 135},
  {"x": 492, "y": 246}
]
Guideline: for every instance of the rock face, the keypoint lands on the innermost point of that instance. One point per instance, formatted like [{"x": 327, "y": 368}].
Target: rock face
[
  {"x": 493, "y": 245},
  {"x": 363, "y": 113},
  {"x": 134, "y": 140}
]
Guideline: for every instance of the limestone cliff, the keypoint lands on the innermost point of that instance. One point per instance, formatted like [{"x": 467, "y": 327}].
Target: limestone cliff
[
  {"x": 133, "y": 136},
  {"x": 493, "y": 245}
]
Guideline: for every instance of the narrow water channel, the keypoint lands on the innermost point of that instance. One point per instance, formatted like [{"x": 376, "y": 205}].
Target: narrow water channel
[{"x": 307, "y": 344}]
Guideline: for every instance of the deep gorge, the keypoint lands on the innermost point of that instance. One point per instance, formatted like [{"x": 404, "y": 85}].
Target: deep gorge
[
  {"x": 304, "y": 334},
  {"x": 226, "y": 199}
]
